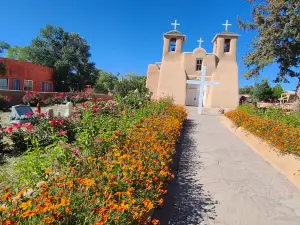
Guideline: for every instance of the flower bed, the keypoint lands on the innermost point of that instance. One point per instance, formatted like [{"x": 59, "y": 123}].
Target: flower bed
[
  {"x": 114, "y": 173},
  {"x": 278, "y": 134}
]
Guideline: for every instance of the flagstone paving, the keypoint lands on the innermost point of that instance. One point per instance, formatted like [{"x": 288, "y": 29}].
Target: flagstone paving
[{"x": 221, "y": 180}]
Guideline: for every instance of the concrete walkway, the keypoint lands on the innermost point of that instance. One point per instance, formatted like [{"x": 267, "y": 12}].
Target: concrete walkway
[{"x": 221, "y": 180}]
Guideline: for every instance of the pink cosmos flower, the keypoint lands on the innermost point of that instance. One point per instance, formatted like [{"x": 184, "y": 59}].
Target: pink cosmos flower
[
  {"x": 26, "y": 124},
  {"x": 62, "y": 132},
  {"x": 75, "y": 152}
]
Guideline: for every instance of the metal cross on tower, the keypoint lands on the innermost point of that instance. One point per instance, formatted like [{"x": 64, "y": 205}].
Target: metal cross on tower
[
  {"x": 226, "y": 25},
  {"x": 175, "y": 24},
  {"x": 200, "y": 42},
  {"x": 202, "y": 83}
]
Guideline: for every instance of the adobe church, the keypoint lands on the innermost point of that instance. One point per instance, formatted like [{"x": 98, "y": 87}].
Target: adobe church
[{"x": 169, "y": 77}]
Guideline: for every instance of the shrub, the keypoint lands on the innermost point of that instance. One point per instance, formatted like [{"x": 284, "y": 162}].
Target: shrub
[
  {"x": 276, "y": 133},
  {"x": 80, "y": 97},
  {"x": 288, "y": 117},
  {"x": 32, "y": 98},
  {"x": 2, "y": 135},
  {"x": 4, "y": 102}
]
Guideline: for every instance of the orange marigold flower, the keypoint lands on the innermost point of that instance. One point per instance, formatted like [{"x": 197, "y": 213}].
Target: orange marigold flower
[
  {"x": 48, "y": 171},
  {"x": 155, "y": 222}
]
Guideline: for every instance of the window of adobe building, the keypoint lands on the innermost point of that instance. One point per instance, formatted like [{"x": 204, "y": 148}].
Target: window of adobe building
[
  {"x": 4, "y": 83},
  {"x": 199, "y": 64},
  {"x": 43, "y": 86},
  {"x": 49, "y": 86},
  {"x": 16, "y": 85},
  {"x": 28, "y": 85},
  {"x": 227, "y": 45}
]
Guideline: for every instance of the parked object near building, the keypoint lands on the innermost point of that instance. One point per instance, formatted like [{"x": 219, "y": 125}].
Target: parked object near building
[
  {"x": 26, "y": 76},
  {"x": 288, "y": 97}
]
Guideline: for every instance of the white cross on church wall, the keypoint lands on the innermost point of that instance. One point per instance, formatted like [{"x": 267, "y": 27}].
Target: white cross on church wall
[
  {"x": 226, "y": 25},
  {"x": 175, "y": 24},
  {"x": 200, "y": 42},
  {"x": 203, "y": 84}
]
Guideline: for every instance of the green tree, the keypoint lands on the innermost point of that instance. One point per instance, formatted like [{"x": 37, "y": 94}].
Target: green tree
[
  {"x": 3, "y": 46},
  {"x": 68, "y": 53},
  {"x": 246, "y": 90},
  {"x": 131, "y": 82},
  {"x": 18, "y": 53},
  {"x": 263, "y": 91},
  {"x": 278, "y": 41},
  {"x": 277, "y": 91},
  {"x": 105, "y": 82}
]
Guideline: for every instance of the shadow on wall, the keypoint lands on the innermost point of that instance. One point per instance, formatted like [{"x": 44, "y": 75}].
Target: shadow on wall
[{"x": 186, "y": 202}]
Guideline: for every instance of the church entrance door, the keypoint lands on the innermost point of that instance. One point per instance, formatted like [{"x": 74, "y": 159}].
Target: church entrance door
[{"x": 192, "y": 97}]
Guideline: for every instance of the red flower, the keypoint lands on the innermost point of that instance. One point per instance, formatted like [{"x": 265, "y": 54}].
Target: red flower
[
  {"x": 62, "y": 132},
  {"x": 29, "y": 114},
  {"x": 16, "y": 125},
  {"x": 9, "y": 129}
]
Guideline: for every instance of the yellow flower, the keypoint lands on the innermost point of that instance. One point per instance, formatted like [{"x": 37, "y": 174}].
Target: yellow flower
[{"x": 25, "y": 205}]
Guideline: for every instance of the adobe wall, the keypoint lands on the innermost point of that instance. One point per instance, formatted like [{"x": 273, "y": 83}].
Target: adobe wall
[
  {"x": 172, "y": 78},
  {"x": 152, "y": 79},
  {"x": 17, "y": 69}
]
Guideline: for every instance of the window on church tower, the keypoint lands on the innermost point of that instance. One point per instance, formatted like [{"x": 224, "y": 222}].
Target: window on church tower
[
  {"x": 172, "y": 45},
  {"x": 227, "y": 45},
  {"x": 198, "y": 64}
]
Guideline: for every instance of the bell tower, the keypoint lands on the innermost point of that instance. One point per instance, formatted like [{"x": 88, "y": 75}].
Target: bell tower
[
  {"x": 173, "y": 41},
  {"x": 225, "y": 44}
]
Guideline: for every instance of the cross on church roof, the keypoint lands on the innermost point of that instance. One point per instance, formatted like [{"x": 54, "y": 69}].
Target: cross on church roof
[
  {"x": 200, "y": 42},
  {"x": 175, "y": 24},
  {"x": 226, "y": 25}
]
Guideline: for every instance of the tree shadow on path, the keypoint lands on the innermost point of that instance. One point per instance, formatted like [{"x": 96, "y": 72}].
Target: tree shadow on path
[{"x": 186, "y": 202}]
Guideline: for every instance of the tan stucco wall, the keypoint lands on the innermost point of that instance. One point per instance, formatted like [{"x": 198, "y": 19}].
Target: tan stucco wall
[
  {"x": 152, "y": 79},
  {"x": 172, "y": 78}
]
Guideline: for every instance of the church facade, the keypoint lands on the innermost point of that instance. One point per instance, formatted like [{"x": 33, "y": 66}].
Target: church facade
[{"x": 169, "y": 77}]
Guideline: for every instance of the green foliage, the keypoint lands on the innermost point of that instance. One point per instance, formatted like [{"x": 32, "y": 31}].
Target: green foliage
[
  {"x": 263, "y": 91},
  {"x": 248, "y": 90},
  {"x": 277, "y": 23},
  {"x": 277, "y": 91},
  {"x": 105, "y": 82},
  {"x": 290, "y": 118},
  {"x": 131, "y": 82},
  {"x": 18, "y": 53},
  {"x": 3, "y": 46},
  {"x": 68, "y": 53}
]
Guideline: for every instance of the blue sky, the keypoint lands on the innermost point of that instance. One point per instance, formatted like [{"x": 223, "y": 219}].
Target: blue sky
[{"x": 125, "y": 36}]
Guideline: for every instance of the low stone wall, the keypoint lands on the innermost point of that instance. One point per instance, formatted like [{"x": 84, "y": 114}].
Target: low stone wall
[
  {"x": 287, "y": 164},
  {"x": 18, "y": 95}
]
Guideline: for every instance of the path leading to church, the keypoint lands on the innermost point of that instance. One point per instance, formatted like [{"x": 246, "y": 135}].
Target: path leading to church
[{"x": 221, "y": 180}]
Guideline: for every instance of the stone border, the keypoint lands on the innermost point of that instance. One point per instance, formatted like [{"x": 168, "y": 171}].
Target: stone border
[{"x": 287, "y": 164}]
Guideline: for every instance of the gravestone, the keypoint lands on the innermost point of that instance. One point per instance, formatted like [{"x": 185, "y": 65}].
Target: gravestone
[
  {"x": 69, "y": 109},
  {"x": 20, "y": 113},
  {"x": 50, "y": 113}
]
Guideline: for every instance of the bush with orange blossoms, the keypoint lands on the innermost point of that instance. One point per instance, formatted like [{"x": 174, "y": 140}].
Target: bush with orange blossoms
[
  {"x": 280, "y": 135},
  {"x": 118, "y": 185}
]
